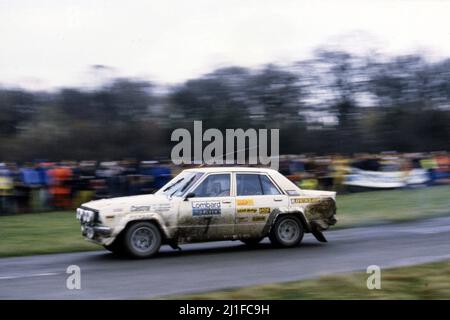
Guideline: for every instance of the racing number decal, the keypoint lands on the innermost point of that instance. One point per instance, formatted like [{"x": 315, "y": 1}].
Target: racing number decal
[
  {"x": 206, "y": 210},
  {"x": 208, "y": 222}
]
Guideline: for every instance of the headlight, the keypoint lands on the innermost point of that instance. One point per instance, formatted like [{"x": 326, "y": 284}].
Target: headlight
[
  {"x": 90, "y": 216},
  {"x": 85, "y": 216}
]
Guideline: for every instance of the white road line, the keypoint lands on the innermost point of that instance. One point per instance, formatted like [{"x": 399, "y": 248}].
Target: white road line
[{"x": 29, "y": 275}]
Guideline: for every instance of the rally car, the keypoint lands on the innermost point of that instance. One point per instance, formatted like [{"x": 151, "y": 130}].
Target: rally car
[{"x": 210, "y": 204}]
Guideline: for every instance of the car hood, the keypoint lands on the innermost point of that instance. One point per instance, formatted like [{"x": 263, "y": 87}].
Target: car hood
[{"x": 122, "y": 203}]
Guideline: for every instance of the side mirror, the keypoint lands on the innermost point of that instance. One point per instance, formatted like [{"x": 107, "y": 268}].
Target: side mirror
[{"x": 189, "y": 195}]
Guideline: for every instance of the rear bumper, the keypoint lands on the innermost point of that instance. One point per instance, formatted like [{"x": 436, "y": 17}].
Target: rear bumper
[
  {"x": 322, "y": 214},
  {"x": 323, "y": 224}
]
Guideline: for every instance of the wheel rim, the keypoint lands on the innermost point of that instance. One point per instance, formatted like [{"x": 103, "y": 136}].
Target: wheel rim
[
  {"x": 288, "y": 231},
  {"x": 143, "y": 239}
]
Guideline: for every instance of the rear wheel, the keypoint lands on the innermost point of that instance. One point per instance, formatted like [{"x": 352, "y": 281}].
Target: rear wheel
[
  {"x": 142, "y": 239},
  {"x": 287, "y": 232}
]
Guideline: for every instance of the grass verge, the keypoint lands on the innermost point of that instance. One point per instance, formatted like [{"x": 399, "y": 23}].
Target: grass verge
[
  {"x": 55, "y": 232},
  {"x": 425, "y": 281},
  {"x": 392, "y": 206},
  {"x": 41, "y": 233}
]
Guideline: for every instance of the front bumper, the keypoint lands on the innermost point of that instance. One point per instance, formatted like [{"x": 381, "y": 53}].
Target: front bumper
[
  {"x": 91, "y": 225},
  {"x": 95, "y": 232}
]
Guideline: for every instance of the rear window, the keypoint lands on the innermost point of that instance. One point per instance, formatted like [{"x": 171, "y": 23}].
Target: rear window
[
  {"x": 254, "y": 185},
  {"x": 267, "y": 185}
]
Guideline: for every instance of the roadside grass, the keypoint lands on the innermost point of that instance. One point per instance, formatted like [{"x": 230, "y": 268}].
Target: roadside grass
[
  {"x": 54, "y": 232},
  {"x": 392, "y": 206},
  {"x": 424, "y": 282},
  {"x": 41, "y": 233}
]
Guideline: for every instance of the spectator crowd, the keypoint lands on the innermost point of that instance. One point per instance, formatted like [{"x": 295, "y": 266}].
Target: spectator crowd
[{"x": 45, "y": 186}]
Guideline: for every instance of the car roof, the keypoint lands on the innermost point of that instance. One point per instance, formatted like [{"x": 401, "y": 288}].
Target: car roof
[{"x": 233, "y": 169}]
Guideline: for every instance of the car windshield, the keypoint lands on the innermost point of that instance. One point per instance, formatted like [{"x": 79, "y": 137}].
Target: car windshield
[{"x": 180, "y": 184}]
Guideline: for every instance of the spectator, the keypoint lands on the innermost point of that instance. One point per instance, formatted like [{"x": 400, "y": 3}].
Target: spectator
[
  {"x": 60, "y": 186},
  {"x": 6, "y": 190}
]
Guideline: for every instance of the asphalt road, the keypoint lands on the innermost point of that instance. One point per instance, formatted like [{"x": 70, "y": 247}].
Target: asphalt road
[{"x": 204, "y": 267}]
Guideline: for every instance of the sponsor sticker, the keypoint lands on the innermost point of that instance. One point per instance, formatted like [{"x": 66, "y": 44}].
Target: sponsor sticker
[
  {"x": 264, "y": 210},
  {"x": 258, "y": 218},
  {"x": 164, "y": 207},
  {"x": 304, "y": 200},
  {"x": 206, "y": 208},
  {"x": 140, "y": 208},
  {"x": 247, "y": 210},
  {"x": 244, "y": 202},
  {"x": 242, "y": 219},
  {"x": 154, "y": 208}
]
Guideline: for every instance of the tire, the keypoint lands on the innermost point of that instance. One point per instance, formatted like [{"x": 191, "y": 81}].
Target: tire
[
  {"x": 142, "y": 240},
  {"x": 252, "y": 242},
  {"x": 287, "y": 232},
  {"x": 116, "y": 247}
]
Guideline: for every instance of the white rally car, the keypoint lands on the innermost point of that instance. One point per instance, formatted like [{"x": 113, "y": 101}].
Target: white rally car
[{"x": 210, "y": 204}]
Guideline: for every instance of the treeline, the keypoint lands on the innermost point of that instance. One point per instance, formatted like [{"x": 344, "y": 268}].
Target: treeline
[{"x": 335, "y": 102}]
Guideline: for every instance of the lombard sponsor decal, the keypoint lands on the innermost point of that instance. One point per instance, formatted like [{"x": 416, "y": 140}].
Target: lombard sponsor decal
[{"x": 206, "y": 208}]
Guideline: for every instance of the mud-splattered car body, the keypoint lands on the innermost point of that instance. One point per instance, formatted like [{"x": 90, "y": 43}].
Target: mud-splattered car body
[{"x": 211, "y": 204}]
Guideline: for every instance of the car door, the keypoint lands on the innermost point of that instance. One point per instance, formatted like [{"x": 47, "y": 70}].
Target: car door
[
  {"x": 257, "y": 196},
  {"x": 209, "y": 214}
]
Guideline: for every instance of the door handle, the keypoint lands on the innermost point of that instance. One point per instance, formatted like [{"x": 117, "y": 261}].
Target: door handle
[
  {"x": 278, "y": 200},
  {"x": 226, "y": 201}
]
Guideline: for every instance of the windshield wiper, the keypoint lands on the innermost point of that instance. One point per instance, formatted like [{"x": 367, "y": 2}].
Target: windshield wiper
[
  {"x": 175, "y": 183},
  {"x": 188, "y": 183},
  {"x": 185, "y": 185}
]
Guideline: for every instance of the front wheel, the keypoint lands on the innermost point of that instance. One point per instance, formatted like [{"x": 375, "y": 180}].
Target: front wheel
[
  {"x": 116, "y": 247},
  {"x": 142, "y": 240},
  {"x": 286, "y": 232}
]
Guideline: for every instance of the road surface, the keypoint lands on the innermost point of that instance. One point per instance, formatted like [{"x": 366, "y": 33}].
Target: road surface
[{"x": 210, "y": 266}]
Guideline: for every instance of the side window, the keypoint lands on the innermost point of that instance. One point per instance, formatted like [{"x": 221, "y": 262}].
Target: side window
[
  {"x": 268, "y": 186},
  {"x": 215, "y": 185},
  {"x": 248, "y": 185}
]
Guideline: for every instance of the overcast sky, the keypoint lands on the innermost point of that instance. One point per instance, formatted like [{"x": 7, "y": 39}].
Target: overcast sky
[{"x": 49, "y": 44}]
